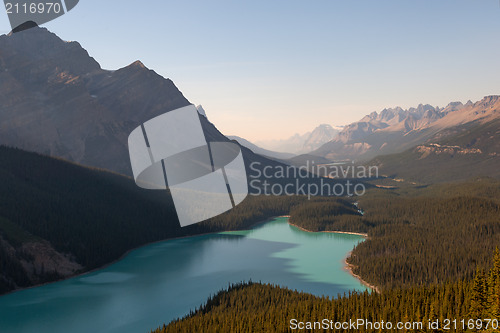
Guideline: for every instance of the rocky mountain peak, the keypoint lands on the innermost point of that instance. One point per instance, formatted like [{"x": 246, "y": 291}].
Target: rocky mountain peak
[
  {"x": 488, "y": 101},
  {"x": 137, "y": 64},
  {"x": 456, "y": 104},
  {"x": 319, "y": 136},
  {"x": 388, "y": 114},
  {"x": 135, "y": 67},
  {"x": 55, "y": 99},
  {"x": 422, "y": 108}
]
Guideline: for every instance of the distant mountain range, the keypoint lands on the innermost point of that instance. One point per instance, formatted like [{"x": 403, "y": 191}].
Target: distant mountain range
[
  {"x": 396, "y": 130},
  {"x": 424, "y": 144},
  {"x": 303, "y": 143}
]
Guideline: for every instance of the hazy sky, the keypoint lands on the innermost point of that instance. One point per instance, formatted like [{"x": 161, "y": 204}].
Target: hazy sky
[{"x": 267, "y": 69}]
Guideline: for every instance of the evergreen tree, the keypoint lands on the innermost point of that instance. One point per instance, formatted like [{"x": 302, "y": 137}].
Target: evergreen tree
[
  {"x": 479, "y": 296},
  {"x": 494, "y": 287}
]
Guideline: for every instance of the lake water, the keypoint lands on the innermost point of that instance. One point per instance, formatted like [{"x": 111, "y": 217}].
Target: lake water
[{"x": 162, "y": 281}]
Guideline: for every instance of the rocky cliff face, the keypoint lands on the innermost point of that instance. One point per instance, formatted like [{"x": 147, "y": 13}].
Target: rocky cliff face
[
  {"x": 36, "y": 262},
  {"x": 438, "y": 149},
  {"x": 55, "y": 99}
]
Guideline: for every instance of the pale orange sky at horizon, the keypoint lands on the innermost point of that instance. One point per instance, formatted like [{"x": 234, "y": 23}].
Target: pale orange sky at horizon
[{"x": 244, "y": 123}]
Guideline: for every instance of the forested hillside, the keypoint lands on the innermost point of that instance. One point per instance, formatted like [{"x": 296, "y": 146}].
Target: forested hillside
[
  {"x": 419, "y": 241},
  {"x": 417, "y": 235},
  {"x": 325, "y": 215}
]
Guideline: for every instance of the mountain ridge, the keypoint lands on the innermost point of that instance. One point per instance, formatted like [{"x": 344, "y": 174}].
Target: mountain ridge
[
  {"x": 394, "y": 130},
  {"x": 55, "y": 99},
  {"x": 466, "y": 151}
]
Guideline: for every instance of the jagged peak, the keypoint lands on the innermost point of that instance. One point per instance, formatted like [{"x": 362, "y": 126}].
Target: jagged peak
[
  {"x": 492, "y": 98},
  {"x": 136, "y": 66},
  {"x": 452, "y": 107},
  {"x": 488, "y": 100}
]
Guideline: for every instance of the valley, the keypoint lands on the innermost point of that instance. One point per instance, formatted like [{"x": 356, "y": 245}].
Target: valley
[{"x": 83, "y": 247}]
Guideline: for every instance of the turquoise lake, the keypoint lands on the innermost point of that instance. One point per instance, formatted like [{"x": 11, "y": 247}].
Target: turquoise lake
[{"x": 159, "y": 282}]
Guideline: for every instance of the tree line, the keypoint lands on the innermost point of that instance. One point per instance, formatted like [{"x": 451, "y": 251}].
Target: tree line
[{"x": 256, "y": 307}]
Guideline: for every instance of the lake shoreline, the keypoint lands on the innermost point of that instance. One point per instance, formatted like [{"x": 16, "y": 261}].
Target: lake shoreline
[
  {"x": 329, "y": 231},
  {"x": 347, "y": 267},
  {"x": 136, "y": 248}
]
